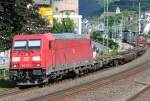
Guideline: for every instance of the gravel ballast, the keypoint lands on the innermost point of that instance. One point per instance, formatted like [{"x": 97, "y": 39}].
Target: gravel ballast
[{"x": 117, "y": 91}]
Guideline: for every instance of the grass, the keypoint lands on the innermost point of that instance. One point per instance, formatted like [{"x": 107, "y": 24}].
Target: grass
[{"x": 5, "y": 85}]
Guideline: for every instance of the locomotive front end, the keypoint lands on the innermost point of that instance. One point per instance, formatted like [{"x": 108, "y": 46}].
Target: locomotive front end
[{"x": 26, "y": 60}]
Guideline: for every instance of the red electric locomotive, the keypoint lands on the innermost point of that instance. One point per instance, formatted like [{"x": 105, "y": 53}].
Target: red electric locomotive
[
  {"x": 39, "y": 57},
  {"x": 141, "y": 40}
]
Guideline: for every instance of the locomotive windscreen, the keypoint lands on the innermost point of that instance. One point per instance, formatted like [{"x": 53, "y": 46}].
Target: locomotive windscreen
[
  {"x": 34, "y": 44},
  {"x": 20, "y": 45},
  {"x": 27, "y": 44}
]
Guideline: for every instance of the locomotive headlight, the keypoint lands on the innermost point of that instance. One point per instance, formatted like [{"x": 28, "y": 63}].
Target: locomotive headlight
[
  {"x": 15, "y": 59},
  {"x": 15, "y": 66},
  {"x": 38, "y": 65},
  {"x": 36, "y": 58}
]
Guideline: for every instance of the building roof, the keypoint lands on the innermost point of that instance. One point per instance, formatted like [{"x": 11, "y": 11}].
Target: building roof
[
  {"x": 42, "y": 2},
  {"x": 68, "y": 36}
]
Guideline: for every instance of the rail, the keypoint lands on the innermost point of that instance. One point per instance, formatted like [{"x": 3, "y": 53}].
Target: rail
[{"x": 62, "y": 95}]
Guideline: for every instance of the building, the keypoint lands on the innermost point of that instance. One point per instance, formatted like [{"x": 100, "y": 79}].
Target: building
[
  {"x": 62, "y": 9},
  {"x": 146, "y": 16},
  {"x": 70, "y": 7},
  {"x": 43, "y": 2},
  {"x": 146, "y": 22}
]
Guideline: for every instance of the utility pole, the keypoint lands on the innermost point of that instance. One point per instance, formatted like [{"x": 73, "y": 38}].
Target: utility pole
[
  {"x": 121, "y": 32},
  {"x": 104, "y": 23},
  {"x": 107, "y": 24},
  {"x": 139, "y": 17}
]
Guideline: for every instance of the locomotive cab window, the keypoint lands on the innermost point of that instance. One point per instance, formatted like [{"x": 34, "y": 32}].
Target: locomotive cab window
[
  {"x": 20, "y": 45},
  {"x": 27, "y": 44},
  {"x": 34, "y": 44}
]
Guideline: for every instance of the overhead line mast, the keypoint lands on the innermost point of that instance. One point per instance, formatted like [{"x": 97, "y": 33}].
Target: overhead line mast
[
  {"x": 139, "y": 17},
  {"x": 107, "y": 29}
]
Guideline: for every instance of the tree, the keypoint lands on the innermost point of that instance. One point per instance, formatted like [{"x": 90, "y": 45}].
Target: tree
[
  {"x": 57, "y": 27},
  {"x": 69, "y": 25},
  {"x": 66, "y": 25},
  {"x": 18, "y": 17},
  {"x": 97, "y": 36}
]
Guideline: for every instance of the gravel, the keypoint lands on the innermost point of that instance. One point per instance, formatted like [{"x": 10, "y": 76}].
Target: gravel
[
  {"x": 144, "y": 96},
  {"x": 92, "y": 96},
  {"x": 120, "y": 90}
]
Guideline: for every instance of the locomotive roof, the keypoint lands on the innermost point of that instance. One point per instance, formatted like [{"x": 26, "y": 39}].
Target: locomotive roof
[
  {"x": 68, "y": 36},
  {"x": 55, "y": 36}
]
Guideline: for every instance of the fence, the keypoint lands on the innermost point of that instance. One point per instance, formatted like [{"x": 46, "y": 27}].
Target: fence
[
  {"x": 4, "y": 60},
  {"x": 4, "y": 73}
]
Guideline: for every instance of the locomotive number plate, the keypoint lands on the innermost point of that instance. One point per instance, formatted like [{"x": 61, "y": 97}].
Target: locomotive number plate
[{"x": 26, "y": 65}]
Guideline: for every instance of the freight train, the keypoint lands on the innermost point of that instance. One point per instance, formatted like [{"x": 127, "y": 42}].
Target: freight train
[
  {"x": 128, "y": 37},
  {"x": 134, "y": 39},
  {"x": 40, "y": 58}
]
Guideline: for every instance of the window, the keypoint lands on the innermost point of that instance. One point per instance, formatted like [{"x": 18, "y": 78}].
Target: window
[
  {"x": 27, "y": 44},
  {"x": 20, "y": 45},
  {"x": 34, "y": 44}
]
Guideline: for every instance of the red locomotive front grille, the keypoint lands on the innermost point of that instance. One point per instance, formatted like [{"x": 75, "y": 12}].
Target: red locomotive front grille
[
  {"x": 26, "y": 60},
  {"x": 26, "y": 65}
]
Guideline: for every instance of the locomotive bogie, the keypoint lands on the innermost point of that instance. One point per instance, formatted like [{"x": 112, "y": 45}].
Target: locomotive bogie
[{"x": 28, "y": 76}]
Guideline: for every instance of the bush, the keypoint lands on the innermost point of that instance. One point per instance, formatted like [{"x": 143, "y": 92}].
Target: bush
[{"x": 97, "y": 36}]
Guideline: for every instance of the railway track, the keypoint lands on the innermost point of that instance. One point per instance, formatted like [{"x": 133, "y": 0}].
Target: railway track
[
  {"x": 16, "y": 91},
  {"x": 90, "y": 86},
  {"x": 142, "y": 95},
  {"x": 10, "y": 92}
]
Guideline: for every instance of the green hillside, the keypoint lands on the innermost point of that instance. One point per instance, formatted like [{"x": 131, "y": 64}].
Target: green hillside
[
  {"x": 95, "y": 7},
  {"x": 130, "y": 5}
]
